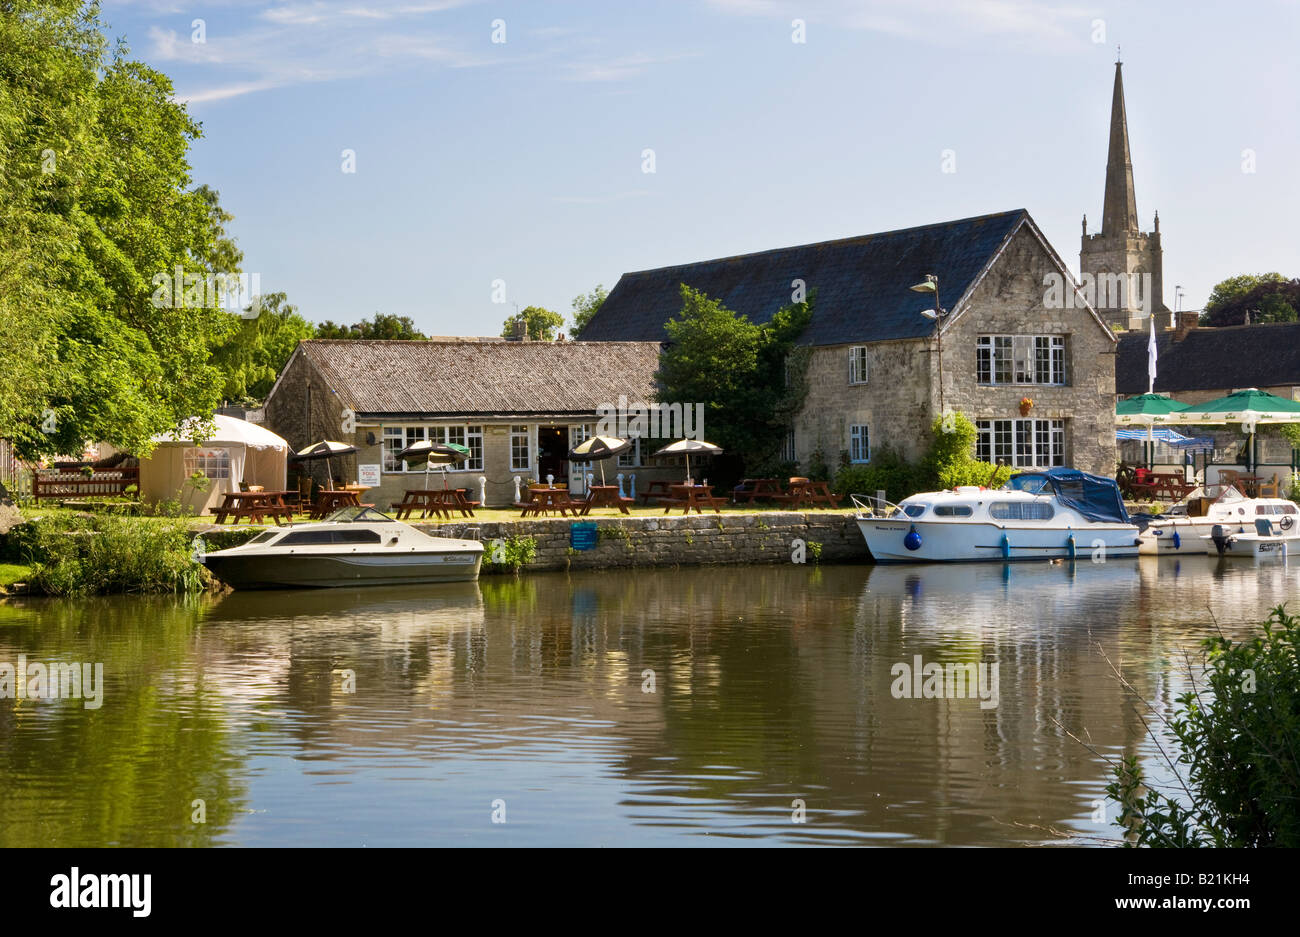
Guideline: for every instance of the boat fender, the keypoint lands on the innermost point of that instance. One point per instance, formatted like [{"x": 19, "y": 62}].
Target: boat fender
[
  {"x": 1070, "y": 548},
  {"x": 913, "y": 539},
  {"x": 1006, "y": 546},
  {"x": 1178, "y": 541},
  {"x": 1220, "y": 538}
]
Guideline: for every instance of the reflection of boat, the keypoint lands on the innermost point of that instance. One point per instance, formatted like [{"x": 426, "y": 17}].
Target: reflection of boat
[
  {"x": 1263, "y": 540},
  {"x": 1184, "y": 528},
  {"x": 1059, "y": 513},
  {"x": 354, "y": 546},
  {"x": 450, "y": 603}
]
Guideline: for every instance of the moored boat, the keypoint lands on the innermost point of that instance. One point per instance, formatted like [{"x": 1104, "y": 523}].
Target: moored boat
[
  {"x": 1185, "y": 527},
  {"x": 1263, "y": 540},
  {"x": 1057, "y": 513},
  {"x": 353, "y": 546}
]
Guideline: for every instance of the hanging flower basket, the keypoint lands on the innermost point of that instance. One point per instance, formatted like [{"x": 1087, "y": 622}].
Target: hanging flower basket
[{"x": 1026, "y": 404}]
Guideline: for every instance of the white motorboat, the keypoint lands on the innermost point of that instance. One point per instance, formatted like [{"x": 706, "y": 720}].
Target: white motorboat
[
  {"x": 1262, "y": 540},
  {"x": 1057, "y": 513},
  {"x": 1185, "y": 527},
  {"x": 354, "y": 546}
]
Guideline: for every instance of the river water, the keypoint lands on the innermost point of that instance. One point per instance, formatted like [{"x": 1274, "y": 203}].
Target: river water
[{"x": 730, "y": 706}]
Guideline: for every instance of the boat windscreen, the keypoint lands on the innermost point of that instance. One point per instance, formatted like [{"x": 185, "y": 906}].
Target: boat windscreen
[
  {"x": 1094, "y": 496},
  {"x": 353, "y": 515}
]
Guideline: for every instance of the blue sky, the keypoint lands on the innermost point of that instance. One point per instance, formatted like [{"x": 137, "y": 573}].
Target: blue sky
[{"x": 522, "y": 160}]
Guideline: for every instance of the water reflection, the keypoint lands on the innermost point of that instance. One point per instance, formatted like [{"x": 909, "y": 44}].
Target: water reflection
[{"x": 648, "y": 706}]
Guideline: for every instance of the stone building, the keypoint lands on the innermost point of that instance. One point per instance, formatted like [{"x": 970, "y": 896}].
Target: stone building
[
  {"x": 517, "y": 405},
  {"x": 874, "y": 374},
  {"x": 1122, "y": 264}
]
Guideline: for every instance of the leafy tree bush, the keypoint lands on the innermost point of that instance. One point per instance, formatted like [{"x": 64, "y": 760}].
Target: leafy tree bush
[
  {"x": 1265, "y": 297},
  {"x": 542, "y": 323},
  {"x": 585, "y": 308},
  {"x": 383, "y": 326},
  {"x": 1239, "y": 736},
  {"x": 887, "y": 471}
]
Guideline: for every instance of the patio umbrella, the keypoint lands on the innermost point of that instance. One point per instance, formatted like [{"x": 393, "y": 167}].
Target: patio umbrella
[
  {"x": 325, "y": 449},
  {"x": 686, "y": 447},
  {"x": 435, "y": 453},
  {"x": 597, "y": 449},
  {"x": 1147, "y": 410},
  {"x": 1248, "y": 407}
]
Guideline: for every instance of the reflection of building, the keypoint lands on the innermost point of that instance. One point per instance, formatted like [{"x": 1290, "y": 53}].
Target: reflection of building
[
  {"x": 518, "y": 406},
  {"x": 874, "y": 373}
]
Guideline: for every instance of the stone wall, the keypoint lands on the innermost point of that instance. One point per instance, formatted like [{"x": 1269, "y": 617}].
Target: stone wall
[
  {"x": 1010, "y": 300},
  {"x": 695, "y": 540}
]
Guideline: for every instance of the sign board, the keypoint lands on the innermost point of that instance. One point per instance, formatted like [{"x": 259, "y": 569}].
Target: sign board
[
  {"x": 368, "y": 475},
  {"x": 582, "y": 536}
]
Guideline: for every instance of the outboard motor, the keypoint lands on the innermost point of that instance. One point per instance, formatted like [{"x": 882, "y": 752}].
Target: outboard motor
[{"x": 1220, "y": 537}]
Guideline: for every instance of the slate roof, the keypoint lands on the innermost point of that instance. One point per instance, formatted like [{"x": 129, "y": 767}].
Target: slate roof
[
  {"x": 862, "y": 283},
  {"x": 1234, "y": 356},
  {"x": 483, "y": 378}
]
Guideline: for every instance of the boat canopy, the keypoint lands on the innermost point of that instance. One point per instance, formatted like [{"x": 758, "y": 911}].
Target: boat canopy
[{"x": 1094, "y": 496}]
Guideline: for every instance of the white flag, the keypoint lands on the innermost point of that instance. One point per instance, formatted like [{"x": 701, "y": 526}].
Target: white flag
[{"x": 1151, "y": 358}]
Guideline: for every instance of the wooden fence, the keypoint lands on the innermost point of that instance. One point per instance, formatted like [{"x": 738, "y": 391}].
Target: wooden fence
[{"x": 66, "y": 481}]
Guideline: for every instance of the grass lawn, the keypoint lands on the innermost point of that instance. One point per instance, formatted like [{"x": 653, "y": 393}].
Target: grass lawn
[{"x": 13, "y": 572}]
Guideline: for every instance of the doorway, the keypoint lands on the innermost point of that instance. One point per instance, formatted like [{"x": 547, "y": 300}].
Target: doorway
[{"x": 552, "y": 447}]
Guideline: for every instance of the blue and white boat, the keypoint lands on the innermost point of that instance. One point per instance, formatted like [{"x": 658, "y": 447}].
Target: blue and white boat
[{"x": 1060, "y": 513}]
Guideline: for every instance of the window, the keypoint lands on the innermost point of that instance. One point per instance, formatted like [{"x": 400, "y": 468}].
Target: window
[
  {"x": 914, "y": 510},
  {"x": 859, "y": 443},
  {"x": 1021, "y": 510},
  {"x": 632, "y": 457},
  {"x": 858, "y": 364},
  {"x": 1022, "y": 443},
  {"x": 787, "y": 447},
  {"x": 1020, "y": 359},
  {"x": 952, "y": 510},
  {"x": 319, "y": 537},
  {"x": 397, "y": 438},
  {"x": 521, "y": 455},
  {"x": 211, "y": 463}
]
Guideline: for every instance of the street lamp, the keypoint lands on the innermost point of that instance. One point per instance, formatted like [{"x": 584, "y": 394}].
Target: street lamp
[{"x": 931, "y": 285}]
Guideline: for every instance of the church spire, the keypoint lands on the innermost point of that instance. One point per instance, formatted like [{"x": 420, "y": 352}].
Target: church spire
[{"x": 1119, "y": 210}]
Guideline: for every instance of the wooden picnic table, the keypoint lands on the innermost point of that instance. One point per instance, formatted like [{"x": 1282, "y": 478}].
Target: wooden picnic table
[
  {"x": 655, "y": 489},
  {"x": 691, "y": 496},
  {"x": 546, "y": 500},
  {"x": 330, "y": 500},
  {"x": 440, "y": 502},
  {"x": 811, "y": 493},
  {"x": 1171, "y": 485},
  {"x": 751, "y": 489},
  {"x": 603, "y": 496},
  {"x": 254, "y": 505}
]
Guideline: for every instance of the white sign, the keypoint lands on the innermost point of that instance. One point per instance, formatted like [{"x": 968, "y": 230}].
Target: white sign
[{"x": 368, "y": 475}]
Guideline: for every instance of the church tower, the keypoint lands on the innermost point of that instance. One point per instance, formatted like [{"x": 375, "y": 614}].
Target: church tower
[{"x": 1123, "y": 262}]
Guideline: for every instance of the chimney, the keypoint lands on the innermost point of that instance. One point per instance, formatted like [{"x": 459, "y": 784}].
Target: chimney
[
  {"x": 1186, "y": 321},
  {"x": 521, "y": 330}
]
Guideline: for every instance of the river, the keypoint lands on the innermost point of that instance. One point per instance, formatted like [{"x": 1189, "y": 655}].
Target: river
[{"x": 722, "y": 705}]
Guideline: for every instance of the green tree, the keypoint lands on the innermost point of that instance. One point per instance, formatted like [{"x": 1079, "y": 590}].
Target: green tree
[
  {"x": 585, "y": 307},
  {"x": 738, "y": 370},
  {"x": 542, "y": 323},
  {"x": 253, "y": 352},
  {"x": 382, "y": 326},
  {"x": 97, "y": 204},
  {"x": 1265, "y": 297}
]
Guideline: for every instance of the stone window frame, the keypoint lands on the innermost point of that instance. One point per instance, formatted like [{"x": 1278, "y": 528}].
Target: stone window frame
[
  {"x": 788, "y": 451},
  {"x": 990, "y": 365},
  {"x": 1021, "y": 442},
  {"x": 859, "y": 438},
  {"x": 858, "y": 357}
]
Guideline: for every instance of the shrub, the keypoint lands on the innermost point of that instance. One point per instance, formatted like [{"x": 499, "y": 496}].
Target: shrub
[
  {"x": 107, "y": 554},
  {"x": 515, "y": 553},
  {"x": 887, "y": 471},
  {"x": 1238, "y": 738}
]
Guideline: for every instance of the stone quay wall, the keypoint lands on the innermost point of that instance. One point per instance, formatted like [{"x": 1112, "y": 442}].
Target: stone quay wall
[{"x": 696, "y": 540}]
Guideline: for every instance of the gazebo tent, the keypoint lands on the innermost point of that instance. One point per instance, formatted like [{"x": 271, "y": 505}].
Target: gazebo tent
[{"x": 239, "y": 451}]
